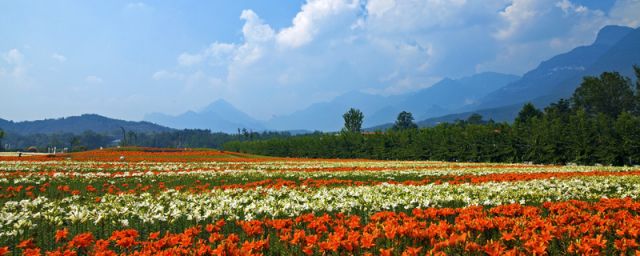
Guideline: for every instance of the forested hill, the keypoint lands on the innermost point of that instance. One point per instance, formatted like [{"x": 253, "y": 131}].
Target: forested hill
[{"x": 79, "y": 124}]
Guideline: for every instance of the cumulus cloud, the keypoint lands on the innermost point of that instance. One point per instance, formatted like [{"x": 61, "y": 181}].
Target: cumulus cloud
[
  {"x": 530, "y": 20},
  {"x": 308, "y": 23},
  {"x": 59, "y": 57},
  {"x": 254, "y": 30},
  {"x": 16, "y": 68}
]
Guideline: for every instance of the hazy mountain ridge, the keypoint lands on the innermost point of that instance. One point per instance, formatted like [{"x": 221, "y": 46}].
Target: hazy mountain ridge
[
  {"x": 220, "y": 115},
  {"x": 440, "y": 98},
  {"x": 79, "y": 124}
]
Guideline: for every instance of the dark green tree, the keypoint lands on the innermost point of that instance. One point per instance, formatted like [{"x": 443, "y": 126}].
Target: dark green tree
[
  {"x": 1, "y": 136},
  {"x": 561, "y": 109},
  {"x": 628, "y": 128},
  {"x": 124, "y": 137},
  {"x": 353, "y": 120},
  {"x": 636, "y": 69},
  {"x": 528, "y": 112},
  {"x": 525, "y": 142},
  {"x": 475, "y": 118},
  {"x": 610, "y": 94},
  {"x": 404, "y": 121},
  {"x": 132, "y": 138},
  {"x": 583, "y": 139},
  {"x": 74, "y": 143}
]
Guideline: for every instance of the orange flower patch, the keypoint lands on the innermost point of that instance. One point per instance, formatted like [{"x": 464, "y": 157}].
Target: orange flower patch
[{"x": 578, "y": 227}]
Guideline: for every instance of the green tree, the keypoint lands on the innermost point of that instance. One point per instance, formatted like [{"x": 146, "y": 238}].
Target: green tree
[
  {"x": 404, "y": 121},
  {"x": 475, "y": 118},
  {"x": 582, "y": 135},
  {"x": 74, "y": 143},
  {"x": 628, "y": 128},
  {"x": 561, "y": 109},
  {"x": 528, "y": 112},
  {"x": 610, "y": 94},
  {"x": 636, "y": 69},
  {"x": 353, "y": 120},
  {"x": 1, "y": 136}
]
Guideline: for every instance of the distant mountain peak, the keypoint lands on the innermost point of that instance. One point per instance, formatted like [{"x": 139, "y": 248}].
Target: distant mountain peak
[
  {"x": 218, "y": 105},
  {"x": 219, "y": 115},
  {"x": 610, "y": 35}
]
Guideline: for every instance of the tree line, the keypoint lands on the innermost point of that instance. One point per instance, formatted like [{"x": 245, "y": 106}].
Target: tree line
[
  {"x": 598, "y": 124},
  {"x": 188, "y": 138}
]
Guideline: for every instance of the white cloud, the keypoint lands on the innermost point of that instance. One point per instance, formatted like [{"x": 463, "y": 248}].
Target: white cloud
[
  {"x": 215, "y": 54},
  {"x": 532, "y": 20},
  {"x": 520, "y": 13},
  {"x": 379, "y": 7},
  {"x": 626, "y": 12},
  {"x": 15, "y": 71},
  {"x": 308, "y": 23},
  {"x": 186, "y": 59},
  {"x": 14, "y": 57},
  {"x": 17, "y": 68},
  {"x": 59, "y": 57},
  {"x": 254, "y": 30},
  {"x": 93, "y": 79}
]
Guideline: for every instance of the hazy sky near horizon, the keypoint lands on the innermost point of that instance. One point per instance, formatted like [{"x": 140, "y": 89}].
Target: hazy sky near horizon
[{"x": 125, "y": 59}]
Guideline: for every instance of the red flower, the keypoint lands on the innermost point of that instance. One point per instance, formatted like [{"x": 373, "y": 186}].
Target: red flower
[
  {"x": 412, "y": 251},
  {"x": 386, "y": 252},
  {"x": 61, "y": 234},
  {"x": 154, "y": 235},
  {"x": 32, "y": 252},
  {"x": 26, "y": 244},
  {"x": 83, "y": 240}
]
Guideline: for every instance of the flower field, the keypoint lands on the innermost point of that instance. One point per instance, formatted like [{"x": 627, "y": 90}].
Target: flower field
[{"x": 197, "y": 202}]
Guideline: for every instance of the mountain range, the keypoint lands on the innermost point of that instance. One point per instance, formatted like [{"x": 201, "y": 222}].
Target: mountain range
[{"x": 493, "y": 95}]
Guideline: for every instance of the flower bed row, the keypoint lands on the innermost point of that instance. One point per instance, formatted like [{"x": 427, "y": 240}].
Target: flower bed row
[
  {"x": 203, "y": 182},
  {"x": 26, "y": 217},
  {"x": 608, "y": 226}
]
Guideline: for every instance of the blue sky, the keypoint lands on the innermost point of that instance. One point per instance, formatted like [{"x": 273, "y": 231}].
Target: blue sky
[{"x": 125, "y": 59}]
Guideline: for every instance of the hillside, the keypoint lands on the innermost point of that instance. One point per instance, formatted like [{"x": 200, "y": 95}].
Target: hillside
[{"x": 79, "y": 124}]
